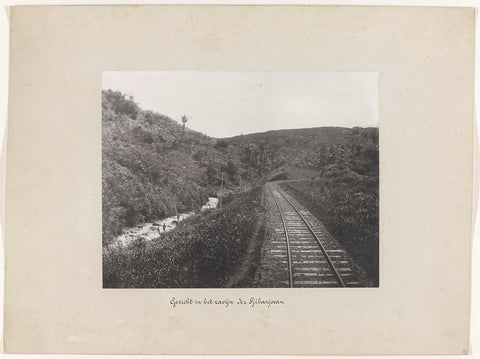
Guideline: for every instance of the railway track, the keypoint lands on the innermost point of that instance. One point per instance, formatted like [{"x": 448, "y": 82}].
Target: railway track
[{"x": 313, "y": 256}]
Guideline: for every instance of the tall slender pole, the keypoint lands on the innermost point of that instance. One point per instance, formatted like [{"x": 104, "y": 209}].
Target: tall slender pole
[{"x": 221, "y": 191}]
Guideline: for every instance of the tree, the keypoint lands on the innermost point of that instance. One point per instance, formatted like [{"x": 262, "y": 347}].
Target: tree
[{"x": 184, "y": 121}]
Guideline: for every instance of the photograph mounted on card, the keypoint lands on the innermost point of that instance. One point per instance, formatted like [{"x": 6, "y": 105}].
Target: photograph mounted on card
[{"x": 239, "y": 180}]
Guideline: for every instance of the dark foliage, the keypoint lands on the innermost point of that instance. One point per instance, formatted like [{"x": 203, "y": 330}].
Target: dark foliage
[
  {"x": 221, "y": 144},
  {"x": 150, "y": 165},
  {"x": 344, "y": 195},
  {"x": 202, "y": 252}
]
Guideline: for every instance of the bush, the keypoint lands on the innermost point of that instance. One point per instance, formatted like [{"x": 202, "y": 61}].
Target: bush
[
  {"x": 118, "y": 102},
  {"x": 221, "y": 144},
  {"x": 202, "y": 252}
]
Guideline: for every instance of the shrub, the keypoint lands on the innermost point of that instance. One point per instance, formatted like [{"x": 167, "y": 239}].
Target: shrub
[
  {"x": 202, "y": 252},
  {"x": 221, "y": 144},
  {"x": 118, "y": 102}
]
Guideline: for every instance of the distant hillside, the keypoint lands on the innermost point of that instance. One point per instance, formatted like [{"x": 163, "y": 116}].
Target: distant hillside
[
  {"x": 310, "y": 148},
  {"x": 324, "y": 134}
]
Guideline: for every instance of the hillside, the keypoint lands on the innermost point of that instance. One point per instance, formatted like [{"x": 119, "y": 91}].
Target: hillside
[
  {"x": 152, "y": 165},
  {"x": 310, "y": 148}
]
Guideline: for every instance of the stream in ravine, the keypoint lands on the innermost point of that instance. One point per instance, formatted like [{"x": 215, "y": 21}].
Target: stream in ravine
[{"x": 152, "y": 230}]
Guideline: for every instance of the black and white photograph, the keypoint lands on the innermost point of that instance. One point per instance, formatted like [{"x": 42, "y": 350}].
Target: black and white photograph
[
  {"x": 228, "y": 179},
  {"x": 240, "y": 179}
]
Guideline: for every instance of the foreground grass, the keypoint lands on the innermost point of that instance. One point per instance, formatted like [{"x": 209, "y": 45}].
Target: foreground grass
[
  {"x": 202, "y": 252},
  {"x": 350, "y": 213}
]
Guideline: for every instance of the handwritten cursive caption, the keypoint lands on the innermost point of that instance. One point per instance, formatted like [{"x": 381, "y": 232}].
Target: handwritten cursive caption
[{"x": 251, "y": 302}]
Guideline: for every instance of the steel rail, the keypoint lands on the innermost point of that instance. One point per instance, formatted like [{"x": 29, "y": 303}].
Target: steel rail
[
  {"x": 339, "y": 277},
  {"x": 290, "y": 271}
]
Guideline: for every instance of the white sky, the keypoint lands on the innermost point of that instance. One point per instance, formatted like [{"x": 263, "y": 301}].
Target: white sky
[{"x": 225, "y": 104}]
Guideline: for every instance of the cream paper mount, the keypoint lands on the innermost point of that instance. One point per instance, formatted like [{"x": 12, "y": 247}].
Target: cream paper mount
[{"x": 55, "y": 302}]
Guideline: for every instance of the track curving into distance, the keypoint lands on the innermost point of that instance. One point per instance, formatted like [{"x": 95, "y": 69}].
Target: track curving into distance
[{"x": 314, "y": 258}]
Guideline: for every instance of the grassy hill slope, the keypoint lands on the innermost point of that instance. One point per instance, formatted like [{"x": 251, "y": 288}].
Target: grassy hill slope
[{"x": 151, "y": 165}]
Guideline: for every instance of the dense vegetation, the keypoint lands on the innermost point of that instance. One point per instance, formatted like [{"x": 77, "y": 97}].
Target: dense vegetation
[
  {"x": 344, "y": 196},
  {"x": 154, "y": 165},
  {"x": 308, "y": 148},
  {"x": 201, "y": 252}
]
